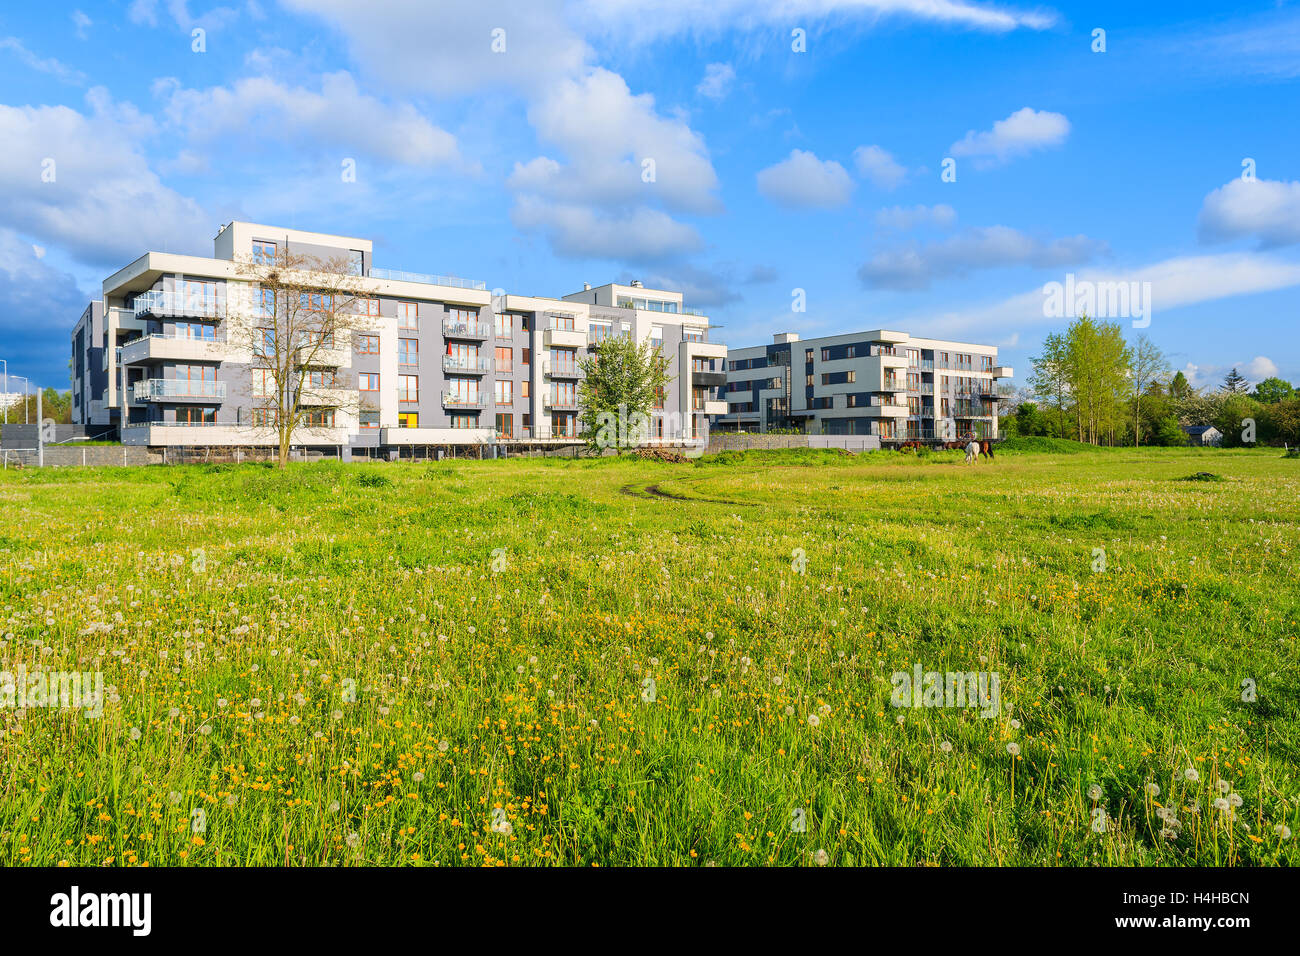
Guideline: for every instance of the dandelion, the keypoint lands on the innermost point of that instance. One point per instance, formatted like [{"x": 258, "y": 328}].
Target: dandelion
[
  {"x": 1220, "y": 803},
  {"x": 1153, "y": 789},
  {"x": 1013, "y": 749},
  {"x": 418, "y": 776},
  {"x": 174, "y": 712},
  {"x": 353, "y": 840},
  {"x": 1283, "y": 831},
  {"x": 442, "y": 746},
  {"x": 1224, "y": 786},
  {"x": 813, "y": 720},
  {"x": 1094, "y": 793},
  {"x": 1190, "y": 775},
  {"x": 1015, "y": 724},
  {"x": 337, "y": 715},
  {"x": 821, "y": 857},
  {"x": 333, "y": 806},
  {"x": 946, "y": 747},
  {"x": 1234, "y": 799},
  {"x": 135, "y": 733}
]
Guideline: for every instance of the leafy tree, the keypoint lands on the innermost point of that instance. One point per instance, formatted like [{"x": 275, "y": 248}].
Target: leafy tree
[
  {"x": 1280, "y": 422},
  {"x": 623, "y": 382},
  {"x": 1230, "y": 420},
  {"x": 1168, "y": 433},
  {"x": 1050, "y": 379},
  {"x": 1234, "y": 383},
  {"x": 1180, "y": 388},
  {"x": 1147, "y": 366},
  {"x": 1273, "y": 390}
]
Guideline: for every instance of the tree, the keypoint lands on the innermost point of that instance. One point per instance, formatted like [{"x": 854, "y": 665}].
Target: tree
[
  {"x": 1234, "y": 383},
  {"x": 622, "y": 383},
  {"x": 1273, "y": 390},
  {"x": 1179, "y": 388},
  {"x": 302, "y": 316},
  {"x": 1050, "y": 377},
  {"x": 1097, "y": 362},
  {"x": 1147, "y": 366},
  {"x": 56, "y": 406}
]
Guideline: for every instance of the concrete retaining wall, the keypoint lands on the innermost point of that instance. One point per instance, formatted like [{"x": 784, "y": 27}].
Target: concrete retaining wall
[
  {"x": 720, "y": 442},
  {"x": 66, "y": 456}
]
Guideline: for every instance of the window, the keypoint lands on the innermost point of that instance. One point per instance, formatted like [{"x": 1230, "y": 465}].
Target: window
[
  {"x": 564, "y": 361},
  {"x": 690, "y": 334},
  {"x": 320, "y": 379},
  {"x": 264, "y": 303},
  {"x": 464, "y": 421},
  {"x": 505, "y": 358},
  {"x": 564, "y": 393},
  {"x": 599, "y": 332},
  {"x": 368, "y": 307},
  {"x": 406, "y": 316},
  {"x": 367, "y": 345},
  {"x": 408, "y": 420},
  {"x": 464, "y": 321},
  {"x": 368, "y": 419},
  {"x": 318, "y": 302},
  {"x": 657, "y": 336},
  {"x": 265, "y": 416},
  {"x": 200, "y": 297},
  {"x": 564, "y": 425},
  {"x": 659, "y": 398},
  {"x": 527, "y": 357},
  {"x": 462, "y": 390},
  {"x": 851, "y": 376},
  {"x": 368, "y": 381},
  {"x": 263, "y": 251},
  {"x": 408, "y": 388},
  {"x": 523, "y": 389},
  {"x": 408, "y": 351},
  {"x": 505, "y": 426},
  {"x": 505, "y": 391},
  {"x": 807, "y": 355},
  {"x": 504, "y": 323},
  {"x": 775, "y": 383},
  {"x": 462, "y": 355},
  {"x": 808, "y": 379},
  {"x": 320, "y": 418},
  {"x": 524, "y": 323},
  {"x": 826, "y": 355},
  {"x": 562, "y": 322},
  {"x": 356, "y": 261},
  {"x": 196, "y": 331},
  {"x": 697, "y": 399},
  {"x": 196, "y": 415}
]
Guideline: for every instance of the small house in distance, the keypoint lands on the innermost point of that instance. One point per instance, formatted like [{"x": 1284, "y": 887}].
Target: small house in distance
[{"x": 1205, "y": 435}]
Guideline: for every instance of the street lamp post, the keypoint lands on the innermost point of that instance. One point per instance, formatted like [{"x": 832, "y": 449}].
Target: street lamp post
[{"x": 26, "y": 412}]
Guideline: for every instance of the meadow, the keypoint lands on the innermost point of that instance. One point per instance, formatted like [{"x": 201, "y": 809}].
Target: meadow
[{"x": 612, "y": 662}]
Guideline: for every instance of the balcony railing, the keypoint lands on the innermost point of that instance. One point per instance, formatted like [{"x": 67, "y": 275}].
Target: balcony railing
[
  {"x": 459, "y": 328},
  {"x": 177, "y": 389},
  {"x": 450, "y": 281},
  {"x": 179, "y": 304},
  {"x": 561, "y": 403},
  {"x": 460, "y": 400},
  {"x": 562, "y": 369},
  {"x": 461, "y": 363}
]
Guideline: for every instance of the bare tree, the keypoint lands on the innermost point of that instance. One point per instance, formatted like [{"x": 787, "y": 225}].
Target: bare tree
[{"x": 303, "y": 314}]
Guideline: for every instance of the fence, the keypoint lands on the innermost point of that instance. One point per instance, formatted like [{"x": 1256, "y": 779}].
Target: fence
[
  {"x": 723, "y": 442},
  {"x": 69, "y": 456}
]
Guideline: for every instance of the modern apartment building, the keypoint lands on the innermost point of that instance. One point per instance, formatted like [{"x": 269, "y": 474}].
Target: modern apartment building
[
  {"x": 167, "y": 358},
  {"x": 888, "y": 384}
]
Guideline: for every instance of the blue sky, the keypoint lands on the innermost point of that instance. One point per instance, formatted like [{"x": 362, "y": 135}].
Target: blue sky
[{"x": 508, "y": 142}]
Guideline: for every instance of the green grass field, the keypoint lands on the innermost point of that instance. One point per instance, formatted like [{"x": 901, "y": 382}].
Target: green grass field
[{"x": 620, "y": 662}]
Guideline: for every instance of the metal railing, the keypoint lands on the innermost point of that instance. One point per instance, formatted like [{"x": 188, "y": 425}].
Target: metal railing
[
  {"x": 170, "y": 389},
  {"x": 179, "y": 304},
  {"x": 464, "y": 329},
  {"x": 457, "y": 363},
  {"x": 424, "y": 278},
  {"x": 457, "y": 400},
  {"x": 562, "y": 369}
]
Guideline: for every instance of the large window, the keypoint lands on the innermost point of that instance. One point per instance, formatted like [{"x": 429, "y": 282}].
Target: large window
[
  {"x": 406, "y": 316},
  {"x": 564, "y": 393},
  {"x": 367, "y": 345},
  {"x": 368, "y": 419},
  {"x": 564, "y": 361},
  {"x": 690, "y": 334},
  {"x": 505, "y": 391},
  {"x": 505, "y": 359},
  {"x": 263, "y": 383},
  {"x": 196, "y": 414},
  {"x": 504, "y": 321},
  {"x": 408, "y": 388},
  {"x": 408, "y": 351},
  {"x": 263, "y": 251},
  {"x": 368, "y": 381},
  {"x": 505, "y": 426},
  {"x": 319, "y": 418},
  {"x": 367, "y": 307},
  {"x": 562, "y": 322},
  {"x": 196, "y": 331},
  {"x": 321, "y": 379},
  {"x": 464, "y": 421},
  {"x": 408, "y": 420},
  {"x": 462, "y": 390}
]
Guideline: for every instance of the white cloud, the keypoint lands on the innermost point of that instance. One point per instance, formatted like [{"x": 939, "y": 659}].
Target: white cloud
[
  {"x": 448, "y": 48},
  {"x": 915, "y": 266},
  {"x": 339, "y": 115},
  {"x": 82, "y": 23},
  {"x": 1211, "y": 376},
  {"x": 1260, "y": 368},
  {"x": 717, "y": 81},
  {"x": 878, "y": 166},
  {"x": 581, "y": 231},
  {"x": 622, "y": 160},
  {"x": 1022, "y": 132},
  {"x": 802, "y": 181},
  {"x": 904, "y": 217},
  {"x": 145, "y": 13},
  {"x": 105, "y": 205},
  {"x": 42, "y": 65},
  {"x": 41, "y": 305},
  {"x": 1177, "y": 282},
  {"x": 651, "y": 19},
  {"x": 1263, "y": 209}
]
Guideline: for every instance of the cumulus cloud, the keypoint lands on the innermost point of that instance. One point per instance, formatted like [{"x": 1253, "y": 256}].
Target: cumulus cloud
[
  {"x": 802, "y": 181},
  {"x": 915, "y": 266},
  {"x": 1264, "y": 209},
  {"x": 717, "y": 81},
  {"x": 339, "y": 114},
  {"x": 905, "y": 218},
  {"x": 878, "y": 166},
  {"x": 82, "y": 24},
  {"x": 1022, "y": 132},
  {"x": 101, "y": 181},
  {"x": 625, "y": 168},
  {"x": 41, "y": 306}
]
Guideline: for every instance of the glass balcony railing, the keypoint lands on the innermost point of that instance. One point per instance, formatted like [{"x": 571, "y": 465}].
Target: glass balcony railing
[
  {"x": 467, "y": 363},
  {"x": 451, "y": 282},
  {"x": 177, "y": 389},
  {"x": 179, "y": 304}
]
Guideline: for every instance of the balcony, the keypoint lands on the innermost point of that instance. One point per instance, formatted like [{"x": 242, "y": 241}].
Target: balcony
[
  {"x": 562, "y": 369},
  {"x": 171, "y": 348},
  {"x": 564, "y": 338},
  {"x": 178, "y": 390},
  {"x": 1003, "y": 371},
  {"x": 991, "y": 389},
  {"x": 458, "y": 400},
  {"x": 466, "y": 365},
  {"x": 885, "y": 410},
  {"x": 450, "y": 282},
  {"x": 224, "y": 434},
  {"x": 323, "y": 356},
  {"x": 560, "y": 403},
  {"x": 708, "y": 379},
  {"x": 179, "y": 305},
  {"x": 714, "y": 408},
  {"x": 334, "y": 396},
  {"x": 462, "y": 329}
]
